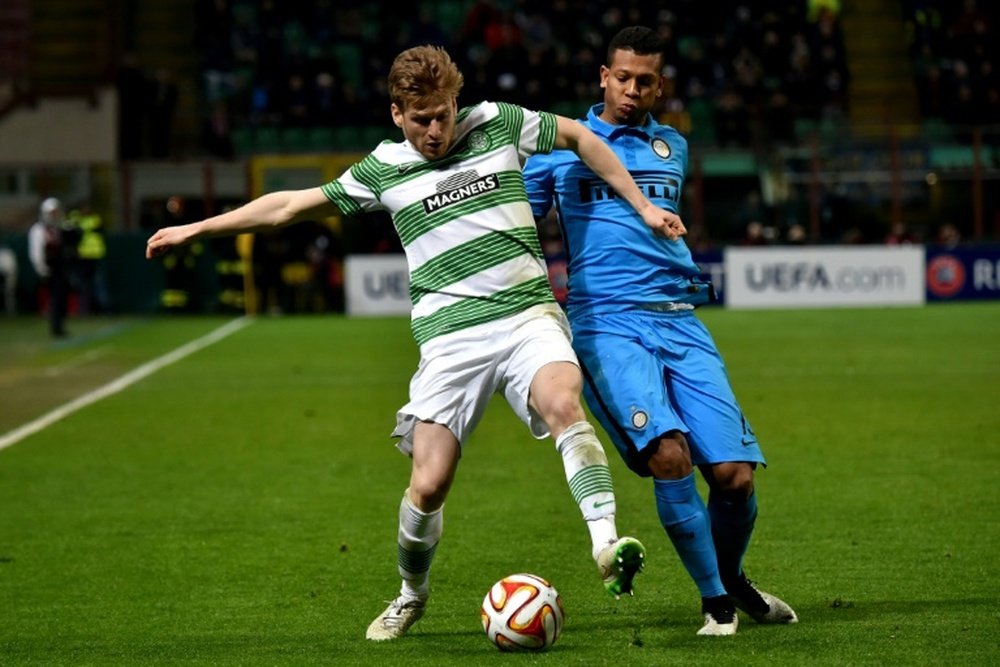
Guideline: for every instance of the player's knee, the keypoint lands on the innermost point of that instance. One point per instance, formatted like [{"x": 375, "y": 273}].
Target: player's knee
[
  {"x": 427, "y": 495},
  {"x": 733, "y": 479},
  {"x": 562, "y": 410},
  {"x": 671, "y": 459}
]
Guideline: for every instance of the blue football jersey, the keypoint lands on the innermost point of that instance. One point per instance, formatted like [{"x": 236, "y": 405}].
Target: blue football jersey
[{"x": 615, "y": 261}]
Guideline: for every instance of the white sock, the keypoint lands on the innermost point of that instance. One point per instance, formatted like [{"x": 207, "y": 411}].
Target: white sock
[
  {"x": 589, "y": 480},
  {"x": 602, "y": 533},
  {"x": 418, "y": 537}
]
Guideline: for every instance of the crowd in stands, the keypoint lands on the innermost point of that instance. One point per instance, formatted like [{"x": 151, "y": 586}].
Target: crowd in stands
[
  {"x": 738, "y": 72},
  {"x": 955, "y": 52}
]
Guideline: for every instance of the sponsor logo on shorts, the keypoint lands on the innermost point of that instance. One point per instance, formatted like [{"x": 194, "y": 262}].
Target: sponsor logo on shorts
[{"x": 640, "y": 419}]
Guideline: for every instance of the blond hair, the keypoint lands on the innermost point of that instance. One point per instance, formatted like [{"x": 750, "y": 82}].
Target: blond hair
[{"x": 423, "y": 76}]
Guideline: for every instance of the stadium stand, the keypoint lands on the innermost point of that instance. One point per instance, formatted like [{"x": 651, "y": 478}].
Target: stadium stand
[
  {"x": 775, "y": 97},
  {"x": 725, "y": 76}
]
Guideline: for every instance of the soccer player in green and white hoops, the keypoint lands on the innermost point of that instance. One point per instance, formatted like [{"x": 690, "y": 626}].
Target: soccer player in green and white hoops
[{"x": 483, "y": 316}]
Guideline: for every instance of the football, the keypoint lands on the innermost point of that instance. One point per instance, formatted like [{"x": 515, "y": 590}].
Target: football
[{"x": 522, "y": 612}]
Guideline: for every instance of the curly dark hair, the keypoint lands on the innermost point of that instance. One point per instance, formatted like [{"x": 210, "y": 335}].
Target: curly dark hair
[{"x": 639, "y": 39}]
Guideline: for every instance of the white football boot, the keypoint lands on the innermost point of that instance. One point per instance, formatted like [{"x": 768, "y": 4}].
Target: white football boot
[
  {"x": 720, "y": 617},
  {"x": 396, "y": 619}
]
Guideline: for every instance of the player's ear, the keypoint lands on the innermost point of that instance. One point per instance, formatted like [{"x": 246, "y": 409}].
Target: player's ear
[{"x": 397, "y": 115}]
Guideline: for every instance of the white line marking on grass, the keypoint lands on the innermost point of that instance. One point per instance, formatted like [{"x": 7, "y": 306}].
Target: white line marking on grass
[
  {"x": 113, "y": 387},
  {"x": 84, "y": 358}
]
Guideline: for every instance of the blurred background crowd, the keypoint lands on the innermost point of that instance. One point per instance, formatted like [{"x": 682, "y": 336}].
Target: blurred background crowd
[
  {"x": 737, "y": 72},
  {"x": 812, "y": 121}
]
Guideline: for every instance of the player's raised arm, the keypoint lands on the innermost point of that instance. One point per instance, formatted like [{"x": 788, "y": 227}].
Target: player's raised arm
[
  {"x": 602, "y": 160},
  {"x": 275, "y": 209}
]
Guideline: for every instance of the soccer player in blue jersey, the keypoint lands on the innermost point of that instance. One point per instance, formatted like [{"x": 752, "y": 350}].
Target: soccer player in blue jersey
[{"x": 654, "y": 377}]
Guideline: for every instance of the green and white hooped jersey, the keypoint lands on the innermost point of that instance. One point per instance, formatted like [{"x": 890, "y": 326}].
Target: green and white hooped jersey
[{"x": 464, "y": 219}]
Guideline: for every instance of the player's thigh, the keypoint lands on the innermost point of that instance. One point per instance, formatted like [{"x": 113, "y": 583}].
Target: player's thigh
[
  {"x": 624, "y": 386},
  {"x": 540, "y": 344},
  {"x": 704, "y": 397},
  {"x": 451, "y": 389}
]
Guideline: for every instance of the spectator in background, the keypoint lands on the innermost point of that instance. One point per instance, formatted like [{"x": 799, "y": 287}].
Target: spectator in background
[
  {"x": 8, "y": 278},
  {"x": 796, "y": 235},
  {"x": 948, "y": 236},
  {"x": 52, "y": 250},
  {"x": 181, "y": 286},
  {"x": 325, "y": 256},
  {"x": 755, "y": 234},
  {"x": 899, "y": 234},
  {"x": 90, "y": 259},
  {"x": 753, "y": 210}
]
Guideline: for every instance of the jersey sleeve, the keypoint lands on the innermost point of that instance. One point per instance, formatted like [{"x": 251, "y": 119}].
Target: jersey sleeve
[
  {"x": 531, "y": 131},
  {"x": 350, "y": 191}
]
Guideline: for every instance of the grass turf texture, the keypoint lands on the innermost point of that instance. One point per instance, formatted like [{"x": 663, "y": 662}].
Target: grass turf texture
[{"x": 239, "y": 507}]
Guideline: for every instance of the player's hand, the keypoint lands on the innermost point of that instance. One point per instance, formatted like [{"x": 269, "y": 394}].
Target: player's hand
[
  {"x": 664, "y": 223},
  {"x": 166, "y": 239}
]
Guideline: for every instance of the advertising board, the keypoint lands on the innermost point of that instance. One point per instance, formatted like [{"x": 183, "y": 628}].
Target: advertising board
[
  {"x": 823, "y": 276},
  {"x": 376, "y": 285}
]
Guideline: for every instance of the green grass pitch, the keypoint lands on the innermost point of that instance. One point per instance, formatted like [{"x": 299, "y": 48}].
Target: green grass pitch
[{"x": 239, "y": 507}]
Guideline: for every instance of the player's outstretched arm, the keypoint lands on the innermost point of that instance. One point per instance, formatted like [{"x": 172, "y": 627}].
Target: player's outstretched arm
[
  {"x": 270, "y": 211},
  {"x": 603, "y": 161}
]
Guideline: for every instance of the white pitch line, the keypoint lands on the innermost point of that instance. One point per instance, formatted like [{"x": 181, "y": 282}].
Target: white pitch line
[
  {"x": 84, "y": 358},
  {"x": 113, "y": 387}
]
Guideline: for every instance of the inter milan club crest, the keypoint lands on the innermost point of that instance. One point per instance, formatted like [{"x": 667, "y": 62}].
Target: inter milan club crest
[
  {"x": 640, "y": 418},
  {"x": 478, "y": 141},
  {"x": 661, "y": 148}
]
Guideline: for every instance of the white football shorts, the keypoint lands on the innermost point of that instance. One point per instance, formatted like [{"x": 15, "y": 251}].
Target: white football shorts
[{"x": 459, "y": 372}]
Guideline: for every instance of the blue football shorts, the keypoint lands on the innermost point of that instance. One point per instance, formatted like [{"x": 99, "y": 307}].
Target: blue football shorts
[{"x": 647, "y": 373}]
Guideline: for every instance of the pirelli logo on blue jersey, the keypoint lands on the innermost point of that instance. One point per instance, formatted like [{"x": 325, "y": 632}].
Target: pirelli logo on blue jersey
[
  {"x": 458, "y": 194},
  {"x": 655, "y": 185}
]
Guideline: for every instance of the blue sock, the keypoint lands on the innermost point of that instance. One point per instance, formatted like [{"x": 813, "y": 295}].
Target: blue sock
[
  {"x": 684, "y": 517},
  {"x": 732, "y": 524}
]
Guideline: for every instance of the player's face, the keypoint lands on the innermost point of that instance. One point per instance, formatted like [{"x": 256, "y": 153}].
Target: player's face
[
  {"x": 631, "y": 85},
  {"x": 429, "y": 128}
]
